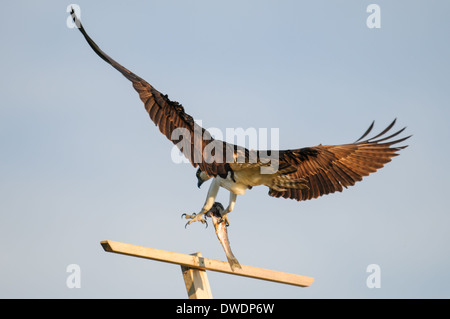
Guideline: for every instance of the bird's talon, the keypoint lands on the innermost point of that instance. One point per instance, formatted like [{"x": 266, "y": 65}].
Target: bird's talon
[
  {"x": 224, "y": 219},
  {"x": 188, "y": 216},
  {"x": 195, "y": 218}
]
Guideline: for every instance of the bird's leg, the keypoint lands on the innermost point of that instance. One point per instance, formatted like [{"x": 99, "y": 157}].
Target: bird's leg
[
  {"x": 230, "y": 207},
  {"x": 210, "y": 199}
]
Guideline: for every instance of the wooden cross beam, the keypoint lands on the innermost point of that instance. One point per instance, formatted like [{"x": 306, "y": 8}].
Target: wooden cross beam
[{"x": 194, "y": 268}]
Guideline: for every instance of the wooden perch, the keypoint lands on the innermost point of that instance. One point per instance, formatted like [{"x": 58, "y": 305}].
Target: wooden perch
[{"x": 198, "y": 262}]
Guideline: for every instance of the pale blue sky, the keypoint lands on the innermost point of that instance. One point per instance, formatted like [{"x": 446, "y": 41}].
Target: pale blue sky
[{"x": 81, "y": 161}]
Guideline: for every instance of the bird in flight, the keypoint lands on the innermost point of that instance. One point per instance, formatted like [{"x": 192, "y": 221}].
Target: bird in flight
[{"x": 300, "y": 174}]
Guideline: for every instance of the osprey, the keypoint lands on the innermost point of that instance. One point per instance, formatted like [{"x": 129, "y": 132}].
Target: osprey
[{"x": 299, "y": 174}]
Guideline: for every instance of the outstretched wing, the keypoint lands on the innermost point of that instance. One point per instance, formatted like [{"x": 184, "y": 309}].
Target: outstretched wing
[
  {"x": 172, "y": 120},
  {"x": 330, "y": 168}
]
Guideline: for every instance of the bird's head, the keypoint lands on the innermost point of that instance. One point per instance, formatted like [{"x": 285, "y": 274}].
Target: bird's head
[{"x": 201, "y": 177}]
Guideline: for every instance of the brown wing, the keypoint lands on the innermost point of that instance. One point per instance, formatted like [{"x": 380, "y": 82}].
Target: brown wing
[
  {"x": 171, "y": 118},
  {"x": 330, "y": 168}
]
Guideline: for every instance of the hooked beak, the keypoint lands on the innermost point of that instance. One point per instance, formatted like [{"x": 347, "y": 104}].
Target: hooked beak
[{"x": 199, "y": 183}]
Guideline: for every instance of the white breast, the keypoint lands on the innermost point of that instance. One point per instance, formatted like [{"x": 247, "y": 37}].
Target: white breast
[{"x": 228, "y": 183}]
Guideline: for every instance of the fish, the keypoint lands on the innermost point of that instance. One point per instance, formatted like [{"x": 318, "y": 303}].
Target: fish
[{"x": 215, "y": 213}]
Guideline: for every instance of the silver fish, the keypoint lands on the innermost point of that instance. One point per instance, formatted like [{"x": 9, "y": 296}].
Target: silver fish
[{"x": 222, "y": 233}]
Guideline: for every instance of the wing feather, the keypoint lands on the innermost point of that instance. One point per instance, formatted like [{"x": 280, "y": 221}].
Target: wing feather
[
  {"x": 330, "y": 168},
  {"x": 166, "y": 114}
]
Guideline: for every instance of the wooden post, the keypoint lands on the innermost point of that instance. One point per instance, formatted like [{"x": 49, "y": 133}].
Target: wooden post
[
  {"x": 197, "y": 262},
  {"x": 196, "y": 281}
]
